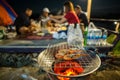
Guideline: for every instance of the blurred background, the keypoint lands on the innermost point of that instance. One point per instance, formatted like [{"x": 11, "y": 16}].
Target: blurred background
[{"x": 102, "y": 9}]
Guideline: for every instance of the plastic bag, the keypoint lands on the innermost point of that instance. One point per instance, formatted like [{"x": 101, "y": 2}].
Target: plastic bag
[
  {"x": 92, "y": 27},
  {"x": 55, "y": 35},
  {"x": 75, "y": 35},
  {"x": 94, "y": 35},
  {"x": 61, "y": 35}
]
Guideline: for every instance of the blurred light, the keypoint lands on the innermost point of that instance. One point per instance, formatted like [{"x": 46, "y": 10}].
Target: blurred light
[
  {"x": 115, "y": 22},
  {"x": 86, "y": 13}
]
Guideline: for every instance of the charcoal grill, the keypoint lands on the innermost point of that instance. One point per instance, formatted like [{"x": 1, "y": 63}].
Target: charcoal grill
[{"x": 46, "y": 59}]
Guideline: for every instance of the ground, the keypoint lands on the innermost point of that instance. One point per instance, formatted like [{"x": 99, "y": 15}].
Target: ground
[{"x": 109, "y": 70}]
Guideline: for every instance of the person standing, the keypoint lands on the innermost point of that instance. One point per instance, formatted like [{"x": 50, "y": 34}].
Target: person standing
[
  {"x": 69, "y": 15},
  {"x": 74, "y": 33},
  {"x": 82, "y": 17}
]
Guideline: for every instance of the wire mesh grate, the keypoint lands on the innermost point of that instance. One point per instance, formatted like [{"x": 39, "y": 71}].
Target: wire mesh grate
[{"x": 46, "y": 59}]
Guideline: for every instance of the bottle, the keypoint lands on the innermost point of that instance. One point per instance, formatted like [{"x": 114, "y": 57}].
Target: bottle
[
  {"x": 104, "y": 37},
  {"x": 99, "y": 37},
  {"x": 95, "y": 37},
  {"x": 85, "y": 36},
  {"x": 89, "y": 38}
]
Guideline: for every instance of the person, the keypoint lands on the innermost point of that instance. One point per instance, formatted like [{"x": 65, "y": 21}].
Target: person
[
  {"x": 23, "y": 22},
  {"x": 68, "y": 16},
  {"x": 82, "y": 16},
  {"x": 74, "y": 33},
  {"x": 45, "y": 16},
  {"x": 46, "y": 23}
]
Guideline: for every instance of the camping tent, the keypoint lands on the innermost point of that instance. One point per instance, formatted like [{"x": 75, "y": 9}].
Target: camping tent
[{"x": 7, "y": 14}]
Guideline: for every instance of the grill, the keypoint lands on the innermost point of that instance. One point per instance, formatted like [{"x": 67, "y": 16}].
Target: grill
[{"x": 90, "y": 63}]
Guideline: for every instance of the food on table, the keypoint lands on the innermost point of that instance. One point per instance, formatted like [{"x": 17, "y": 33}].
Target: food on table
[{"x": 40, "y": 34}]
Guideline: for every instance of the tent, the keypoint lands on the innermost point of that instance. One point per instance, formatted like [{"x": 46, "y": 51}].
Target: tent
[{"x": 7, "y": 14}]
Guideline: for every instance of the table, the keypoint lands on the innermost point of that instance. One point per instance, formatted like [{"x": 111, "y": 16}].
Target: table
[{"x": 27, "y": 46}]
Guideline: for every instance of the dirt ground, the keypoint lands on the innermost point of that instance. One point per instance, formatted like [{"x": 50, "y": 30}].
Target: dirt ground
[{"x": 107, "y": 71}]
